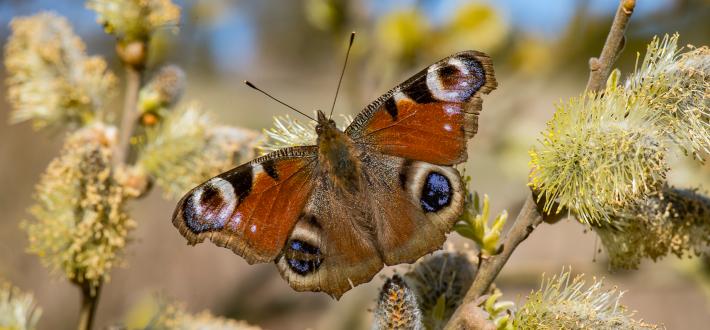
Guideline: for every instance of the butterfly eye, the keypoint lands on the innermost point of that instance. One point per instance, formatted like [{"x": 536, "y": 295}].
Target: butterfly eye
[
  {"x": 302, "y": 257},
  {"x": 436, "y": 192}
]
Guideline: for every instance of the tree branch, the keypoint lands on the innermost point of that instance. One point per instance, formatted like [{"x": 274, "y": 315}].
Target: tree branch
[
  {"x": 490, "y": 266},
  {"x": 600, "y": 68},
  {"x": 129, "y": 115},
  {"x": 89, "y": 302},
  {"x": 529, "y": 217}
]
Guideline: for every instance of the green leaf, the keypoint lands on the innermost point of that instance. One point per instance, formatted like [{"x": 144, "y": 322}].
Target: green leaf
[{"x": 465, "y": 230}]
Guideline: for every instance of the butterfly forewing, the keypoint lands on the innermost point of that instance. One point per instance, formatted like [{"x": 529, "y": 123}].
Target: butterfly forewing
[
  {"x": 252, "y": 208},
  {"x": 431, "y": 116}
]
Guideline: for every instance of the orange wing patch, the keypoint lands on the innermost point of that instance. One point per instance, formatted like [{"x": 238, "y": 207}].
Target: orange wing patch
[
  {"x": 252, "y": 208},
  {"x": 434, "y": 132}
]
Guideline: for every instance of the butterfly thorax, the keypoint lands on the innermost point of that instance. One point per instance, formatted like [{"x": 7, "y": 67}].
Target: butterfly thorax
[{"x": 337, "y": 155}]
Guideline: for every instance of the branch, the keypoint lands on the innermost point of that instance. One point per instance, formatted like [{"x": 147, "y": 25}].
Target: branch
[
  {"x": 89, "y": 302},
  {"x": 490, "y": 266},
  {"x": 129, "y": 115},
  {"x": 600, "y": 68},
  {"x": 529, "y": 217},
  {"x": 471, "y": 317}
]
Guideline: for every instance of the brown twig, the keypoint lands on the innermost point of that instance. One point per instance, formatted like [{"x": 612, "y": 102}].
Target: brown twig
[
  {"x": 600, "y": 68},
  {"x": 89, "y": 302},
  {"x": 488, "y": 270},
  {"x": 529, "y": 217},
  {"x": 129, "y": 115}
]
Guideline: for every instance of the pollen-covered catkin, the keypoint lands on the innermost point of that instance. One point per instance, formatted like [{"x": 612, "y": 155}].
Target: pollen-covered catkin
[
  {"x": 51, "y": 81},
  {"x": 671, "y": 220},
  {"x": 81, "y": 225}
]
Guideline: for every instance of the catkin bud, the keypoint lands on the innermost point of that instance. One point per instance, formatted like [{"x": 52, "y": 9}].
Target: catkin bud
[
  {"x": 672, "y": 220},
  {"x": 397, "y": 307},
  {"x": 163, "y": 91}
]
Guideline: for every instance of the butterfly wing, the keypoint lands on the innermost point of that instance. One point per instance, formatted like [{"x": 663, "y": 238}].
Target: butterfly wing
[
  {"x": 411, "y": 137},
  {"x": 331, "y": 248},
  {"x": 431, "y": 116},
  {"x": 414, "y": 205},
  {"x": 253, "y": 208}
]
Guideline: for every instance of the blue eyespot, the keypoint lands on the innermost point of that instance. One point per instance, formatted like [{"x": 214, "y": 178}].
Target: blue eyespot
[
  {"x": 302, "y": 258},
  {"x": 301, "y": 267},
  {"x": 436, "y": 192}
]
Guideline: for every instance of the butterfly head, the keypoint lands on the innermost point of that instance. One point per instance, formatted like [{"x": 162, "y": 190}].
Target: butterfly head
[{"x": 324, "y": 123}]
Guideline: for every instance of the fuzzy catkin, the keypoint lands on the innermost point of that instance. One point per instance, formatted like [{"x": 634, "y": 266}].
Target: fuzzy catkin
[
  {"x": 163, "y": 91},
  {"x": 81, "y": 225},
  {"x": 447, "y": 276},
  {"x": 604, "y": 137},
  {"x": 188, "y": 147},
  {"x": 397, "y": 307},
  {"x": 672, "y": 220},
  {"x": 563, "y": 302},
  {"x": 619, "y": 137},
  {"x": 18, "y": 310},
  {"x": 135, "y": 20},
  {"x": 51, "y": 81},
  {"x": 675, "y": 84}
]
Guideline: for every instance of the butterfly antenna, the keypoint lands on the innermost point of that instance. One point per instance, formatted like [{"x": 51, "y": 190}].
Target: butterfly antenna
[
  {"x": 277, "y": 100},
  {"x": 352, "y": 38}
]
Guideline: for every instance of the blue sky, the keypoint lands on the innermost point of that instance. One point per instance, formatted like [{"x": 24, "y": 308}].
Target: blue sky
[{"x": 235, "y": 31}]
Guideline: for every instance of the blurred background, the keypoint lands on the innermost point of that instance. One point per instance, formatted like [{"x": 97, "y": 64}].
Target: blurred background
[{"x": 294, "y": 49}]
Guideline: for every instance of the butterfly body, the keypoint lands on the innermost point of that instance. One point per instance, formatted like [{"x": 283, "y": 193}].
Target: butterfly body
[
  {"x": 338, "y": 157},
  {"x": 381, "y": 192}
]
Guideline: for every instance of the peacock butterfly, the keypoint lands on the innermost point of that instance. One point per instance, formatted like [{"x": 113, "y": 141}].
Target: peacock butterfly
[{"x": 382, "y": 192}]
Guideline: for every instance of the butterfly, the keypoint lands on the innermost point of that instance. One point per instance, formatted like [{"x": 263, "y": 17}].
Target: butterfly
[{"x": 381, "y": 192}]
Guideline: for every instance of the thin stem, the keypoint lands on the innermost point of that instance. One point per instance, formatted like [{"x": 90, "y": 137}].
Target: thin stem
[
  {"x": 529, "y": 217},
  {"x": 600, "y": 68},
  {"x": 89, "y": 303},
  {"x": 489, "y": 267},
  {"x": 129, "y": 115}
]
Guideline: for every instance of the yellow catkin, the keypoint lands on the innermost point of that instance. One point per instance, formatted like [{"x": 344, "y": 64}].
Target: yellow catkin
[
  {"x": 135, "y": 20},
  {"x": 51, "y": 81},
  {"x": 81, "y": 226}
]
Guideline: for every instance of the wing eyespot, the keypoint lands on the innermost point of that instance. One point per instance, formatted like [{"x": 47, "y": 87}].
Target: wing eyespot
[
  {"x": 436, "y": 192},
  {"x": 303, "y": 258},
  {"x": 210, "y": 206}
]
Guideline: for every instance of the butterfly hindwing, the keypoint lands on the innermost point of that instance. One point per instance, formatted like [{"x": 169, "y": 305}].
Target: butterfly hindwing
[
  {"x": 253, "y": 208},
  {"x": 414, "y": 203},
  {"x": 343, "y": 238},
  {"x": 431, "y": 116},
  {"x": 331, "y": 249}
]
